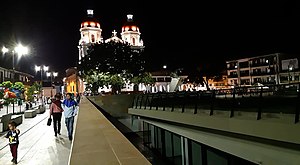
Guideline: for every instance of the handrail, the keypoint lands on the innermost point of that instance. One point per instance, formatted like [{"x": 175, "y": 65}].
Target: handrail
[{"x": 252, "y": 99}]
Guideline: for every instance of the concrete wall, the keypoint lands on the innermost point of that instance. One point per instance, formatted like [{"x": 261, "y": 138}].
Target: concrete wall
[{"x": 115, "y": 105}]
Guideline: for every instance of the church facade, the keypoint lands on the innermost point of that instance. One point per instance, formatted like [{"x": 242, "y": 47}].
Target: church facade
[{"x": 91, "y": 33}]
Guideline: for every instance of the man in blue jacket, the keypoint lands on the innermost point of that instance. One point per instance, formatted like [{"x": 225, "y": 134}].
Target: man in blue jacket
[{"x": 70, "y": 107}]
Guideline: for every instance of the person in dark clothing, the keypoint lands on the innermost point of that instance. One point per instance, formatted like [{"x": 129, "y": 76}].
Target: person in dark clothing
[
  {"x": 56, "y": 111},
  {"x": 13, "y": 138}
]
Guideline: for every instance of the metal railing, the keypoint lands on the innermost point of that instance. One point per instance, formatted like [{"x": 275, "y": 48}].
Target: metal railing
[{"x": 283, "y": 99}]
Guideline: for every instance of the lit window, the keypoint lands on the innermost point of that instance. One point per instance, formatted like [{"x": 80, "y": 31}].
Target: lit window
[
  {"x": 126, "y": 28},
  {"x": 122, "y": 28},
  {"x": 267, "y": 61},
  {"x": 235, "y": 66},
  {"x": 85, "y": 24},
  {"x": 98, "y": 25}
]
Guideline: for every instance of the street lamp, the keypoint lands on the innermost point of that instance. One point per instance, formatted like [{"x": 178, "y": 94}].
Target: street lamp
[
  {"x": 20, "y": 50},
  {"x": 51, "y": 75},
  {"x": 41, "y": 69}
]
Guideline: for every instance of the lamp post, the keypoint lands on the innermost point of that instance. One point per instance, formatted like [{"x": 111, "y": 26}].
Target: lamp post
[
  {"x": 20, "y": 50},
  {"x": 41, "y": 69},
  {"x": 52, "y": 75}
]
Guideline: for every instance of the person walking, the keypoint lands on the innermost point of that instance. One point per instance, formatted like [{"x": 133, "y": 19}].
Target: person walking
[
  {"x": 13, "y": 138},
  {"x": 56, "y": 111},
  {"x": 70, "y": 110}
]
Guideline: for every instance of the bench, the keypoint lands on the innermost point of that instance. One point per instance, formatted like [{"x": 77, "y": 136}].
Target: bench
[
  {"x": 41, "y": 109},
  {"x": 4, "y": 120},
  {"x": 30, "y": 113},
  {"x": 17, "y": 118}
]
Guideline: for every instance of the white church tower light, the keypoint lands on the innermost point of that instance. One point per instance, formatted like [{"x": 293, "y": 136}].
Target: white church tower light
[
  {"x": 90, "y": 32},
  {"x": 131, "y": 33}
]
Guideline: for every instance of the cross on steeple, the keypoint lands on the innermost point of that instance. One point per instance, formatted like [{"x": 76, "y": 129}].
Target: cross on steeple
[{"x": 114, "y": 33}]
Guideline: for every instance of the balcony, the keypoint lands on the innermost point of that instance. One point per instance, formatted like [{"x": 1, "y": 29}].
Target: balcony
[
  {"x": 233, "y": 76},
  {"x": 244, "y": 74},
  {"x": 259, "y": 64},
  {"x": 232, "y": 67},
  {"x": 262, "y": 73}
]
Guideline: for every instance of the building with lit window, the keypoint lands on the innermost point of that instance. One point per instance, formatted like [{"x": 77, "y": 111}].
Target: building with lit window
[
  {"x": 72, "y": 82},
  {"x": 268, "y": 69}
]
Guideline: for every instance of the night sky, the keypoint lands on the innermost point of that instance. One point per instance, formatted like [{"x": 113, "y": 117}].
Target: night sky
[{"x": 177, "y": 34}]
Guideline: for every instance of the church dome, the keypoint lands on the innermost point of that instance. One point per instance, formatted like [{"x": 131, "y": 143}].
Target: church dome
[
  {"x": 130, "y": 25},
  {"x": 90, "y": 21}
]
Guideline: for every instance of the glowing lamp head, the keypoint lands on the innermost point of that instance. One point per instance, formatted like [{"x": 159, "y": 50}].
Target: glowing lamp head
[
  {"x": 4, "y": 50},
  {"x": 37, "y": 68},
  {"x": 45, "y": 68},
  {"x": 55, "y": 74},
  {"x": 21, "y": 50},
  {"x": 48, "y": 74}
]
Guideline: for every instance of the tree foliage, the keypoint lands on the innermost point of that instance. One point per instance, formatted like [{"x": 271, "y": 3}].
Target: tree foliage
[
  {"x": 7, "y": 84},
  {"x": 145, "y": 78},
  {"x": 111, "y": 64},
  {"x": 19, "y": 86},
  {"x": 113, "y": 58}
]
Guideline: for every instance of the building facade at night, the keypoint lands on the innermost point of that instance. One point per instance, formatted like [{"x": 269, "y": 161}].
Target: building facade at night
[
  {"x": 267, "y": 70},
  {"x": 91, "y": 33},
  {"x": 10, "y": 75},
  {"x": 72, "y": 82}
]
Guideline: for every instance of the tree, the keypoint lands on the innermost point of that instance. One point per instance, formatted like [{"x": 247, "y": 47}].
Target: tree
[
  {"x": 201, "y": 75},
  {"x": 113, "y": 58},
  {"x": 111, "y": 64},
  {"x": 19, "y": 86},
  {"x": 7, "y": 84}
]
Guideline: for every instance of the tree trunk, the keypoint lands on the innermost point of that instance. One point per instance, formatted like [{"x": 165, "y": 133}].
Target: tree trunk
[
  {"x": 136, "y": 87},
  {"x": 115, "y": 89},
  {"x": 207, "y": 86}
]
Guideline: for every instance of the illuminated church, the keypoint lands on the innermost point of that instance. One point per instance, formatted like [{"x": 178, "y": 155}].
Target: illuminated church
[{"x": 91, "y": 33}]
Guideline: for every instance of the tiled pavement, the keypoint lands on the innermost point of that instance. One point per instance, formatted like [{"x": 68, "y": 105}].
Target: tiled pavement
[{"x": 38, "y": 145}]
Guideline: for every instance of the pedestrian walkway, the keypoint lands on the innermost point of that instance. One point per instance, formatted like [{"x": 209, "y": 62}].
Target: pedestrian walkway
[{"x": 38, "y": 145}]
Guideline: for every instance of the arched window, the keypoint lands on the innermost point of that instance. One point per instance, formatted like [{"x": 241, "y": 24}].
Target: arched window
[
  {"x": 133, "y": 41},
  {"x": 93, "y": 38}
]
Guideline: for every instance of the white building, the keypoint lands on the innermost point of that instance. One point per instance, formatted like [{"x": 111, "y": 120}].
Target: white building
[
  {"x": 268, "y": 69},
  {"x": 91, "y": 33},
  {"x": 131, "y": 33}
]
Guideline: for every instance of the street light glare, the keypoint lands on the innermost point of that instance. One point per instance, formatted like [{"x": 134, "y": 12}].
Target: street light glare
[
  {"x": 55, "y": 74},
  {"x": 165, "y": 66},
  {"x": 45, "y": 68},
  {"x": 48, "y": 74},
  {"x": 21, "y": 50},
  {"x": 37, "y": 68},
  {"x": 4, "y": 50}
]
